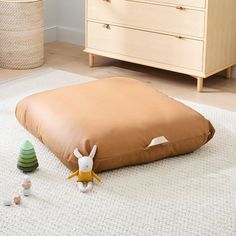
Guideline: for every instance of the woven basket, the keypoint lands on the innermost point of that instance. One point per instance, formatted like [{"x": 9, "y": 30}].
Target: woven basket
[{"x": 21, "y": 34}]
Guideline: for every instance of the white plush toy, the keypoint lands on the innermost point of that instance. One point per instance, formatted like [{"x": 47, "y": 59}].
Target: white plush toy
[{"x": 85, "y": 173}]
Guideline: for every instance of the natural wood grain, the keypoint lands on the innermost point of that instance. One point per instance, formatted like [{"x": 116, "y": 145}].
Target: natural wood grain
[
  {"x": 191, "y": 3},
  {"x": 91, "y": 60},
  {"x": 229, "y": 73},
  {"x": 187, "y": 22},
  {"x": 160, "y": 48},
  {"x": 205, "y": 29},
  {"x": 144, "y": 62},
  {"x": 199, "y": 84},
  {"x": 220, "y": 43}
]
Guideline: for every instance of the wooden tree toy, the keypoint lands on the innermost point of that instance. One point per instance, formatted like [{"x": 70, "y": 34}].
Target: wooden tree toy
[{"x": 27, "y": 160}]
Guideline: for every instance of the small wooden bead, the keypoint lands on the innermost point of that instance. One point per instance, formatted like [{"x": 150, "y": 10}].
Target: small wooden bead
[
  {"x": 26, "y": 192},
  {"x": 17, "y": 199},
  {"x": 26, "y": 178},
  {"x": 26, "y": 185},
  {"x": 7, "y": 202}
]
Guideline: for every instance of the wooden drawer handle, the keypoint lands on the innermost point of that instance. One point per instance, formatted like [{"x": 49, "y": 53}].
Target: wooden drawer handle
[
  {"x": 106, "y": 26},
  {"x": 180, "y": 8}
]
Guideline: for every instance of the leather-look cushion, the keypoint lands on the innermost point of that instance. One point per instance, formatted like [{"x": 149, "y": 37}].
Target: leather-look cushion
[{"x": 121, "y": 116}]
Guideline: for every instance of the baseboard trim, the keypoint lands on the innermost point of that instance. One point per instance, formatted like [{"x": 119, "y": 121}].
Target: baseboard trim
[
  {"x": 70, "y": 35},
  {"x": 50, "y": 34},
  {"x": 64, "y": 34}
]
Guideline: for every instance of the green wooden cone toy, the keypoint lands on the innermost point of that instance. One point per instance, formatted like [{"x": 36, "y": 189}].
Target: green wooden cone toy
[{"x": 27, "y": 159}]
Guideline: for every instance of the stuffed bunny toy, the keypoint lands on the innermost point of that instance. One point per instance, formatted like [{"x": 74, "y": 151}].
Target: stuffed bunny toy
[{"x": 85, "y": 174}]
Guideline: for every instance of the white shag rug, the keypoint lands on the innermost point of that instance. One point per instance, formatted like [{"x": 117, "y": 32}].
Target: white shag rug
[{"x": 188, "y": 195}]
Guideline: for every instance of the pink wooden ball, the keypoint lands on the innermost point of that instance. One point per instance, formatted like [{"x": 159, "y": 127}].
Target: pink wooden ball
[
  {"x": 26, "y": 185},
  {"x": 17, "y": 199}
]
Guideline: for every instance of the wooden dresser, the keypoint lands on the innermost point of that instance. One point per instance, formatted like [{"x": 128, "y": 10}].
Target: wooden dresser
[{"x": 194, "y": 37}]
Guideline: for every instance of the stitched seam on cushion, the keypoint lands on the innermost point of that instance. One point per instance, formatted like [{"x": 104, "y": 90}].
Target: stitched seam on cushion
[{"x": 127, "y": 153}]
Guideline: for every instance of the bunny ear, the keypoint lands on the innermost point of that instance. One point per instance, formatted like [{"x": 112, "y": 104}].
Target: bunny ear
[
  {"x": 77, "y": 153},
  {"x": 93, "y": 152}
]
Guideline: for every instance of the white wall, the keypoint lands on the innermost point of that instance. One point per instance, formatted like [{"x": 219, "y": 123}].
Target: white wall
[
  {"x": 50, "y": 18},
  {"x": 64, "y": 21},
  {"x": 71, "y": 21}
]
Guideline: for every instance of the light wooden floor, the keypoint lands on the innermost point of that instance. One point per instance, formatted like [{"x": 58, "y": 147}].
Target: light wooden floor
[{"x": 218, "y": 91}]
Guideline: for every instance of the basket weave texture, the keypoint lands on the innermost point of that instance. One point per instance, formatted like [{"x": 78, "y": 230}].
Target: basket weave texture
[{"x": 21, "y": 34}]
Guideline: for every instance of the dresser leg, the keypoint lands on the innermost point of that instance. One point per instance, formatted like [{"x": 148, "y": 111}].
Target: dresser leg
[
  {"x": 229, "y": 73},
  {"x": 199, "y": 84},
  {"x": 91, "y": 60}
]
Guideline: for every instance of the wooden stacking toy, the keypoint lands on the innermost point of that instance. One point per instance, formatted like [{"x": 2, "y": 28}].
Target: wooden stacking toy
[
  {"x": 27, "y": 160},
  {"x": 26, "y": 191},
  {"x": 26, "y": 185},
  {"x": 7, "y": 202}
]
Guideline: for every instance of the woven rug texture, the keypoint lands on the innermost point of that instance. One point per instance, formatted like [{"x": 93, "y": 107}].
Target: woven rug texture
[{"x": 192, "y": 195}]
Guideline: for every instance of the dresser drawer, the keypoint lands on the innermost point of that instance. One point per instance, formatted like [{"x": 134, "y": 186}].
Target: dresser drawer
[
  {"x": 166, "y": 49},
  {"x": 187, "y": 3},
  {"x": 147, "y": 16}
]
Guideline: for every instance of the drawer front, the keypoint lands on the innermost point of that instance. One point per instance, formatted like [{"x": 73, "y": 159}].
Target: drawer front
[
  {"x": 148, "y": 16},
  {"x": 185, "y": 53},
  {"x": 187, "y": 3}
]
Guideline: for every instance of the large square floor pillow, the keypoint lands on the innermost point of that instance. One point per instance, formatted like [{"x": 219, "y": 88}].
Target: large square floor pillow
[{"x": 121, "y": 116}]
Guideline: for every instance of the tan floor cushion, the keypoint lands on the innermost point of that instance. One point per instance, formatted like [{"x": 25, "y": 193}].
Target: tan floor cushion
[{"x": 121, "y": 116}]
